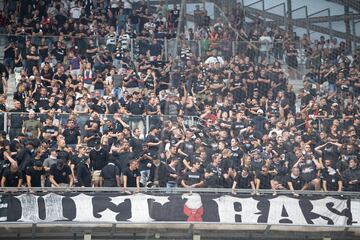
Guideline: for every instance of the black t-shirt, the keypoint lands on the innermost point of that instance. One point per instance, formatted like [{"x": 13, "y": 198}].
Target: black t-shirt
[
  {"x": 216, "y": 179},
  {"x": 136, "y": 108},
  {"x": 332, "y": 179},
  {"x": 60, "y": 175},
  {"x": 308, "y": 170},
  {"x": 153, "y": 139},
  {"x": 244, "y": 182},
  {"x": 109, "y": 173},
  {"x": 192, "y": 178},
  {"x": 98, "y": 158},
  {"x": 12, "y": 179},
  {"x": 137, "y": 146},
  {"x": 71, "y": 135},
  {"x": 297, "y": 183},
  {"x": 35, "y": 176},
  {"x": 131, "y": 177},
  {"x": 264, "y": 181}
]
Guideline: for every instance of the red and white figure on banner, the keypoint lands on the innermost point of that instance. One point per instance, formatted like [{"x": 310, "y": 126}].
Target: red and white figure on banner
[{"x": 193, "y": 207}]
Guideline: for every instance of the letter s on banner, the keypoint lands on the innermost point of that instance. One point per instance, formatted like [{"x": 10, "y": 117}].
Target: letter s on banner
[
  {"x": 249, "y": 213},
  {"x": 319, "y": 207}
]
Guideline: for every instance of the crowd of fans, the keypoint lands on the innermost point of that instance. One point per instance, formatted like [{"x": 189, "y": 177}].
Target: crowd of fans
[{"x": 90, "y": 114}]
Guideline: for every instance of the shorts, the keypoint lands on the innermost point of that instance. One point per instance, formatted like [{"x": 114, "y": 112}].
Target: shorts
[{"x": 96, "y": 175}]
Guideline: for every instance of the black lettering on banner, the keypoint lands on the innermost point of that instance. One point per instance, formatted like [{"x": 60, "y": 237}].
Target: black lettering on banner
[{"x": 145, "y": 208}]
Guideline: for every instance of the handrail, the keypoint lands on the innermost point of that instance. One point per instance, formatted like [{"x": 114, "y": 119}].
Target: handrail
[{"x": 14, "y": 190}]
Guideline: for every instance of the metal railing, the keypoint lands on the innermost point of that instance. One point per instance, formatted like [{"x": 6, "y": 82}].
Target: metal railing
[
  {"x": 10, "y": 190},
  {"x": 137, "y": 47},
  {"x": 11, "y": 120}
]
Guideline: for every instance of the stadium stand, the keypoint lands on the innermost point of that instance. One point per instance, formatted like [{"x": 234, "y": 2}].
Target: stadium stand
[{"x": 120, "y": 93}]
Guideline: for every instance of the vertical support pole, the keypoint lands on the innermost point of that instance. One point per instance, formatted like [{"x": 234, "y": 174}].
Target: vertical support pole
[
  {"x": 147, "y": 125},
  {"x": 199, "y": 46},
  {"x": 285, "y": 18},
  {"x": 348, "y": 27},
  {"x": 233, "y": 43},
  {"x": 132, "y": 49},
  {"x": 330, "y": 23},
  {"x": 289, "y": 13},
  {"x": 243, "y": 8},
  {"x": 307, "y": 21},
  {"x": 166, "y": 49},
  {"x": 5, "y": 121},
  {"x": 354, "y": 22}
]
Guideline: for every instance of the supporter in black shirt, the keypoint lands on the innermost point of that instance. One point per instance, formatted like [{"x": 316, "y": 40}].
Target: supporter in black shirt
[
  {"x": 153, "y": 141},
  {"x": 296, "y": 181},
  {"x": 158, "y": 173},
  {"x": 110, "y": 175},
  {"x": 99, "y": 157},
  {"x": 214, "y": 173},
  {"x": 71, "y": 134},
  {"x": 131, "y": 176},
  {"x": 263, "y": 178},
  {"x": 84, "y": 173},
  {"x": 35, "y": 175},
  {"x": 60, "y": 175},
  {"x": 172, "y": 176},
  {"x": 244, "y": 179},
  {"x": 331, "y": 179},
  {"x": 11, "y": 177},
  {"x": 193, "y": 178},
  {"x": 351, "y": 177}
]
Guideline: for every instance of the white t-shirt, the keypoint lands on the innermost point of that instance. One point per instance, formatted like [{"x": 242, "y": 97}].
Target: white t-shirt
[
  {"x": 213, "y": 59},
  {"x": 265, "y": 47},
  {"x": 75, "y": 12}
]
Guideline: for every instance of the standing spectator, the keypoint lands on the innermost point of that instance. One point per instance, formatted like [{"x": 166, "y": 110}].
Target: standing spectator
[
  {"x": 11, "y": 177},
  {"x": 60, "y": 175},
  {"x": 32, "y": 127},
  {"x": 131, "y": 176},
  {"x": 158, "y": 172},
  {"x": 110, "y": 175},
  {"x": 99, "y": 157},
  {"x": 351, "y": 176},
  {"x": 172, "y": 173},
  {"x": 136, "y": 108},
  {"x": 193, "y": 178},
  {"x": 331, "y": 178},
  {"x": 35, "y": 175},
  {"x": 244, "y": 179},
  {"x": 84, "y": 173},
  {"x": 295, "y": 181}
]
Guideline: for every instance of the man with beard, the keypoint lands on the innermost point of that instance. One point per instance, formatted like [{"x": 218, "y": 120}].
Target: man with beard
[
  {"x": 263, "y": 178},
  {"x": 214, "y": 173},
  {"x": 187, "y": 148},
  {"x": 351, "y": 176},
  {"x": 330, "y": 178},
  {"x": 71, "y": 134}
]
